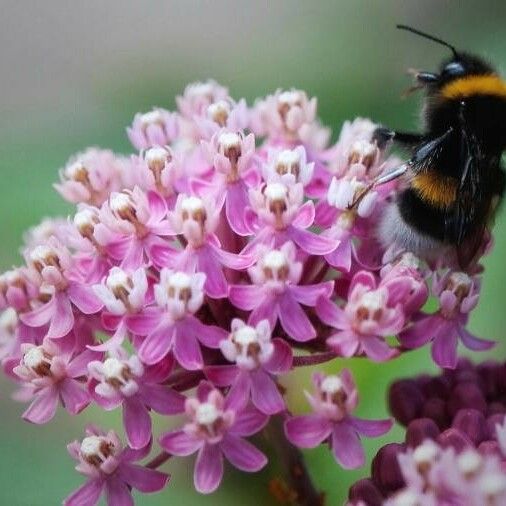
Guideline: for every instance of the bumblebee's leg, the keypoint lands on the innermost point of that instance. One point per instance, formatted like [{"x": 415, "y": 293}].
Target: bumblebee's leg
[
  {"x": 384, "y": 178},
  {"x": 383, "y": 136}
]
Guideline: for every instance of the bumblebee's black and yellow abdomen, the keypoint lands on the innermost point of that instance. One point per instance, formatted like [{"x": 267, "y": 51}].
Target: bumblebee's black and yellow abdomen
[{"x": 435, "y": 189}]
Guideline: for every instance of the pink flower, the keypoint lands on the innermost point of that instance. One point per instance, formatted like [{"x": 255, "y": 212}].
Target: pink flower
[
  {"x": 344, "y": 224},
  {"x": 289, "y": 117},
  {"x": 132, "y": 225},
  {"x": 216, "y": 429},
  {"x": 406, "y": 284},
  {"x": 196, "y": 220},
  {"x": 154, "y": 128},
  {"x": 110, "y": 469},
  {"x": 434, "y": 476},
  {"x": 198, "y": 96},
  {"x": 458, "y": 294},
  {"x": 17, "y": 290},
  {"x": 158, "y": 169},
  {"x": 335, "y": 398},
  {"x": 232, "y": 156},
  {"x": 138, "y": 389},
  {"x": 174, "y": 327},
  {"x": 89, "y": 177},
  {"x": 365, "y": 321},
  {"x": 51, "y": 267},
  {"x": 51, "y": 374},
  {"x": 279, "y": 215},
  {"x": 288, "y": 166},
  {"x": 224, "y": 113},
  {"x": 257, "y": 358},
  {"x": 8, "y": 326},
  {"x": 275, "y": 293}
]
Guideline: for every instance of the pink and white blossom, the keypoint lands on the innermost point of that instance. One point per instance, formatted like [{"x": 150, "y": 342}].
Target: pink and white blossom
[
  {"x": 258, "y": 359},
  {"x": 334, "y": 400},
  {"x": 111, "y": 470},
  {"x": 276, "y": 295},
  {"x": 216, "y": 430}
]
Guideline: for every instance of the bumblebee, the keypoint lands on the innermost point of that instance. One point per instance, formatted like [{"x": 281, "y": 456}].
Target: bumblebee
[{"x": 454, "y": 176}]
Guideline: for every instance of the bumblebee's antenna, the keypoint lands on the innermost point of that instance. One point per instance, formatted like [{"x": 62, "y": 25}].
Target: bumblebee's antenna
[{"x": 430, "y": 37}]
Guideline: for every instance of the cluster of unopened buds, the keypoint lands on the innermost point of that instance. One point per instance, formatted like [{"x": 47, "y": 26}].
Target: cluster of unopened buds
[{"x": 197, "y": 272}]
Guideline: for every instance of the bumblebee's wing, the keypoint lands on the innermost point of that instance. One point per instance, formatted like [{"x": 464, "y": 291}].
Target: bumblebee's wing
[{"x": 467, "y": 223}]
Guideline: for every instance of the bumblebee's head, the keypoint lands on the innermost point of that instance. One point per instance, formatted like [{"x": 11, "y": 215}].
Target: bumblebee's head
[
  {"x": 459, "y": 65},
  {"x": 462, "y": 65}
]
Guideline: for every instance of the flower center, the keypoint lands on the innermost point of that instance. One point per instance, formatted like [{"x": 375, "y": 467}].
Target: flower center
[
  {"x": 193, "y": 209},
  {"x": 44, "y": 256},
  {"x": 460, "y": 284},
  {"x": 287, "y": 100},
  {"x": 275, "y": 266},
  {"x": 38, "y": 361},
  {"x": 116, "y": 372},
  {"x": 371, "y": 306},
  {"x": 276, "y": 195},
  {"x": 85, "y": 221},
  {"x": 156, "y": 159},
  {"x": 363, "y": 152},
  {"x": 469, "y": 463},
  {"x": 179, "y": 287},
  {"x": 288, "y": 162},
  {"x": 78, "y": 172},
  {"x": 120, "y": 285},
  {"x": 8, "y": 321},
  {"x": 246, "y": 342},
  {"x": 96, "y": 449},
  {"x": 425, "y": 456},
  {"x": 151, "y": 118},
  {"x": 332, "y": 389},
  {"x": 123, "y": 207},
  {"x": 219, "y": 112},
  {"x": 493, "y": 485}
]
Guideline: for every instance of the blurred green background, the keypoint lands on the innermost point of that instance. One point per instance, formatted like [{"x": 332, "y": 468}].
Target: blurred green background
[{"x": 74, "y": 73}]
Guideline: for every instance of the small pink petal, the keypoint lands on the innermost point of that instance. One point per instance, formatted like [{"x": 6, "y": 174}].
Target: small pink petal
[
  {"x": 371, "y": 428},
  {"x": 62, "y": 319},
  {"x": 221, "y": 375},
  {"x": 208, "y": 469},
  {"x": 377, "y": 349},
  {"x": 242, "y": 454},
  {"x": 117, "y": 493},
  {"x": 137, "y": 422},
  {"x": 474, "y": 343},
  {"x": 265, "y": 394},
  {"x": 444, "y": 349},
  {"x": 84, "y": 298},
  {"x": 346, "y": 446},
  {"x": 307, "y": 431},
  {"x": 143, "y": 323},
  {"x": 310, "y": 242},
  {"x": 86, "y": 495},
  {"x": 43, "y": 407},
  {"x": 246, "y": 297},
  {"x": 305, "y": 215},
  {"x": 249, "y": 421},
  {"x": 143, "y": 479},
  {"x": 187, "y": 349},
  {"x": 157, "y": 345},
  {"x": 282, "y": 358},
  {"x": 73, "y": 396},
  {"x": 179, "y": 443},
  {"x": 294, "y": 320},
  {"x": 162, "y": 399},
  {"x": 309, "y": 294}
]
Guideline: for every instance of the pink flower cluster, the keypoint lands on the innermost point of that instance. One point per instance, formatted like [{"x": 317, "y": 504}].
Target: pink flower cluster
[{"x": 220, "y": 255}]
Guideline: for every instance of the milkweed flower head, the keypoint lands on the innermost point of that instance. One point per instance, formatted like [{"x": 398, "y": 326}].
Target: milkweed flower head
[{"x": 196, "y": 272}]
